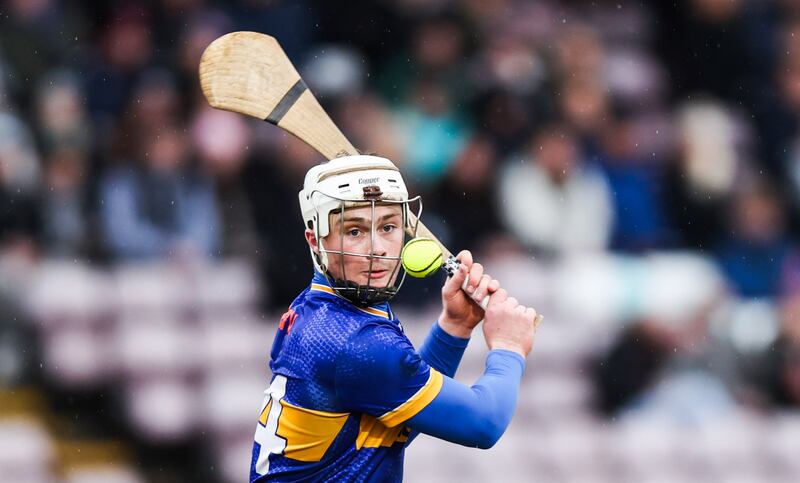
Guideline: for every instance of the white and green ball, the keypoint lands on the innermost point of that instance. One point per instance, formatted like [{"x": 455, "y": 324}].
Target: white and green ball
[{"x": 421, "y": 257}]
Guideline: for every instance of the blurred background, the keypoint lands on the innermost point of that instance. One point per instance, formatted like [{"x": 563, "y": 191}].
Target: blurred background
[{"x": 630, "y": 169}]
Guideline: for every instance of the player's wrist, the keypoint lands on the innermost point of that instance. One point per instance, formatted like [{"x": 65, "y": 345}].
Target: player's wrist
[
  {"x": 508, "y": 346},
  {"x": 455, "y": 327}
]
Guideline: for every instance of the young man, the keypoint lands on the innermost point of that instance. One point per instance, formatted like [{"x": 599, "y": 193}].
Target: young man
[{"x": 349, "y": 391}]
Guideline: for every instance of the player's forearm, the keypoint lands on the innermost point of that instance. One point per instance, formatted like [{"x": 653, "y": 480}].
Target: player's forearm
[
  {"x": 443, "y": 351},
  {"x": 477, "y": 415}
]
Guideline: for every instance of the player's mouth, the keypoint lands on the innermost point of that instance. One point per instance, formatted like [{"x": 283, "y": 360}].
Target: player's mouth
[{"x": 376, "y": 274}]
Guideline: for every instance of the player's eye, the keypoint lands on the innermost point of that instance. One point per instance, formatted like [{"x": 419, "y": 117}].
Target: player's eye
[
  {"x": 354, "y": 232},
  {"x": 388, "y": 228}
]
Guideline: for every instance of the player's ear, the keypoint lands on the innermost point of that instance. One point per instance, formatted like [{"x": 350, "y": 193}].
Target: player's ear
[{"x": 311, "y": 240}]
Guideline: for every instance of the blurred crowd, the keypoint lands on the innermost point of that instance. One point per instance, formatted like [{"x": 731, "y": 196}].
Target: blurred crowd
[{"x": 557, "y": 132}]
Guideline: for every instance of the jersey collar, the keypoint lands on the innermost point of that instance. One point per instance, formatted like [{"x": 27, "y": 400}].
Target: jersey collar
[{"x": 320, "y": 284}]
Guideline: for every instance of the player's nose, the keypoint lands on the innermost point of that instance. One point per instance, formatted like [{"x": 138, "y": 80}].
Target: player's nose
[{"x": 378, "y": 245}]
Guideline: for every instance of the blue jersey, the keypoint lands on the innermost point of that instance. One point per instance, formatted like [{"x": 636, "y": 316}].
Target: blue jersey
[{"x": 345, "y": 379}]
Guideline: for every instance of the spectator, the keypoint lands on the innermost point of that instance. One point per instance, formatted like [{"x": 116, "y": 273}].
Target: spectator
[
  {"x": 65, "y": 135},
  {"x": 126, "y": 50},
  {"x": 510, "y": 63},
  {"x": 62, "y": 119},
  {"x": 630, "y": 367},
  {"x": 584, "y": 102},
  {"x": 713, "y": 54},
  {"x": 202, "y": 26},
  {"x": 435, "y": 52},
  {"x": 368, "y": 124},
  {"x": 20, "y": 168},
  {"x": 777, "y": 112},
  {"x": 701, "y": 175},
  {"x": 64, "y": 223},
  {"x": 30, "y": 45},
  {"x": 504, "y": 120},
  {"x": 670, "y": 370},
  {"x": 433, "y": 132},
  {"x": 551, "y": 199},
  {"x": 466, "y": 198},
  {"x": 19, "y": 183},
  {"x": 272, "y": 178},
  {"x": 161, "y": 207},
  {"x": 222, "y": 140},
  {"x": 640, "y": 221},
  {"x": 756, "y": 250},
  {"x": 780, "y": 378}
]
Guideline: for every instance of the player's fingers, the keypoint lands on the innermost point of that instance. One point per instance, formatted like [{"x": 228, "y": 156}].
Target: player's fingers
[
  {"x": 512, "y": 302},
  {"x": 520, "y": 309},
  {"x": 475, "y": 274},
  {"x": 498, "y": 297},
  {"x": 453, "y": 284},
  {"x": 482, "y": 289},
  {"x": 464, "y": 257},
  {"x": 493, "y": 286},
  {"x": 530, "y": 313}
]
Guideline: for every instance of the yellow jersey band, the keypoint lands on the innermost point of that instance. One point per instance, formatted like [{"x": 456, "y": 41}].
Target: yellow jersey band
[
  {"x": 308, "y": 432},
  {"x": 416, "y": 403},
  {"x": 374, "y": 434}
]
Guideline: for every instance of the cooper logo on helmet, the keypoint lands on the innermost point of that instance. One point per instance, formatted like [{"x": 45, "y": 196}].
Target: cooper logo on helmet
[{"x": 367, "y": 180}]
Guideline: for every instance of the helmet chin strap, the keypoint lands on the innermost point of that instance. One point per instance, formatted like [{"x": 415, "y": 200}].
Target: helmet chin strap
[{"x": 360, "y": 294}]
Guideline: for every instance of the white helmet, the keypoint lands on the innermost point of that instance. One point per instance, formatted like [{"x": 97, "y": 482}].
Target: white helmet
[{"x": 346, "y": 182}]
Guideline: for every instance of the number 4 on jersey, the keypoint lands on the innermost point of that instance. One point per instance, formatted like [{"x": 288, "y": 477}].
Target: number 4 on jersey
[{"x": 266, "y": 432}]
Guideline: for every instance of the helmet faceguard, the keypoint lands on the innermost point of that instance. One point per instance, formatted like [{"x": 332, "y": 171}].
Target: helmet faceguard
[
  {"x": 359, "y": 293},
  {"x": 349, "y": 183}
]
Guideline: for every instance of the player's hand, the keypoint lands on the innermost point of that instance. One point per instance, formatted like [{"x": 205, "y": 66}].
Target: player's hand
[
  {"x": 461, "y": 310},
  {"x": 509, "y": 325}
]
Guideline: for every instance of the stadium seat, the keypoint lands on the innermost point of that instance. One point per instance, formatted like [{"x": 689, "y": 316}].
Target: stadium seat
[
  {"x": 230, "y": 400},
  {"x": 163, "y": 409},
  {"x": 76, "y": 356},
  {"x": 64, "y": 291},
  {"x": 144, "y": 289},
  {"x": 27, "y": 452},
  {"x": 231, "y": 340},
  {"x": 149, "y": 345},
  {"x": 226, "y": 287}
]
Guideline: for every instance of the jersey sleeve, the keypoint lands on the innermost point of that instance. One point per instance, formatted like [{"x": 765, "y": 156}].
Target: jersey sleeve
[
  {"x": 379, "y": 373},
  {"x": 442, "y": 350},
  {"x": 476, "y": 415}
]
